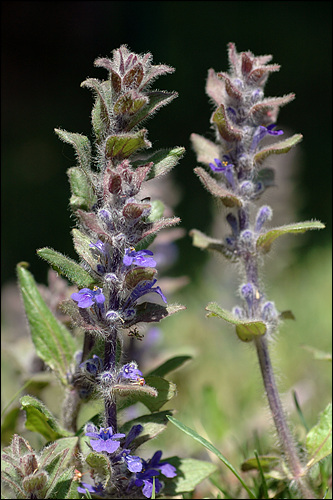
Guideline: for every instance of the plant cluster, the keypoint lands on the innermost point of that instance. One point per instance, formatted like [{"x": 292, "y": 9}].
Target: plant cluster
[{"x": 117, "y": 290}]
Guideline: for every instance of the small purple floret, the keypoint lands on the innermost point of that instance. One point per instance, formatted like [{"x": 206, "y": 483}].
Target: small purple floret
[
  {"x": 140, "y": 258},
  {"x": 261, "y": 132},
  {"x": 104, "y": 440},
  {"x": 86, "y": 297}
]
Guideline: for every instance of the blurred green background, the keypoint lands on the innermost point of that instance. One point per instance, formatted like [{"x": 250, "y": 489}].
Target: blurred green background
[{"x": 48, "y": 49}]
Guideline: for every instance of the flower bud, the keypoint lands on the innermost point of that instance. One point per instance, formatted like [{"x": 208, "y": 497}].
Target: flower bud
[
  {"x": 247, "y": 292},
  {"x": 263, "y": 215}
]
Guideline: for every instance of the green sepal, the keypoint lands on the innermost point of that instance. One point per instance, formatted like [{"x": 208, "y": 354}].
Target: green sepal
[
  {"x": 246, "y": 330},
  {"x": 205, "y": 149},
  {"x": 157, "y": 99},
  {"x": 164, "y": 160},
  {"x": 101, "y": 466},
  {"x": 265, "y": 240},
  {"x": 267, "y": 463},
  {"x": 170, "y": 365},
  {"x": 67, "y": 267},
  {"x": 319, "y": 438},
  {"x": 53, "y": 342},
  {"x": 228, "y": 198},
  {"x": 277, "y": 148},
  {"x": 40, "y": 419},
  {"x": 201, "y": 240},
  {"x": 83, "y": 195},
  {"x": 153, "y": 424},
  {"x": 190, "y": 473},
  {"x": 82, "y": 147},
  {"x": 100, "y": 114},
  {"x": 124, "y": 145},
  {"x": 225, "y": 128}
]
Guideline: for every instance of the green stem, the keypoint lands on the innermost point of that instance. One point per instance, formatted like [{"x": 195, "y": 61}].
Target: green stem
[{"x": 283, "y": 431}]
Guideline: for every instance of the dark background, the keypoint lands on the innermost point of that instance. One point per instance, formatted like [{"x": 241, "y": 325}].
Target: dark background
[{"x": 48, "y": 49}]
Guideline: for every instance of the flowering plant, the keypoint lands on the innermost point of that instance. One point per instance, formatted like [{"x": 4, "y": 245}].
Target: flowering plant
[{"x": 116, "y": 280}]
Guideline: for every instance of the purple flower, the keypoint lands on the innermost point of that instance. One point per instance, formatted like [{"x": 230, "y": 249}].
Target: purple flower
[
  {"x": 133, "y": 462},
  {"x": 138, "y": 258},
  {"x": 261, "y": 132},
  {"x": 86, "y": 297},
  {"x": 99, "y": 490},
  {"x": 101, "y": 247},
  {"x": 225, "y": 168},
  {"x": 130, "y": 371},
  {"x": 151, "y": 469},
  {"x": 141, "y": 289},
  {"x": 104, "y": 440},
  {"x": 93, "y": 366}
]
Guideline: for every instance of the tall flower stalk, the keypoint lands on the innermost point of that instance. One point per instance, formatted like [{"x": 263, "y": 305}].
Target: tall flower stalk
[
  {"x": 236, "y": 175},
  {"x": 116, "y": 290}
]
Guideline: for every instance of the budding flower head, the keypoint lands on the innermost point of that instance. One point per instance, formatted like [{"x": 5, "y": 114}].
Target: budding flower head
[{"x": 247, "y": 292}]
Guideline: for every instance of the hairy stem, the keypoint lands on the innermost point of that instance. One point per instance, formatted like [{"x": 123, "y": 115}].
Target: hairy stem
[
  {"x": 283, "y": 431},
  {"x": 109, "y": 364}
]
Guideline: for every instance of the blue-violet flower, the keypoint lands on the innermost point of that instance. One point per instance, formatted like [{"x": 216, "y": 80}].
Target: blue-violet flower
[
  {"x": 104, "y": 440},
  {"x": 86, "y": 297}
]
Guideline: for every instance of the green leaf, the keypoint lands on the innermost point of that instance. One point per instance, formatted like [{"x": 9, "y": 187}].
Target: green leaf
[
  {"x": 164, "y": 160},
  {"x": 206, "y": 150},
  {"x": 318, "y": 354},
  {"x": 82, "y": 192},
  {"x": 153, "y": 424},
  {"x": 246, "y": 330},
  {"x": 67, "y": 267},
  {"x": 166, "y": 390},
  {"x": 265, "y": 240},
  {"x": 53, "y": 342},
  {"x": 228, "y": 198},
  {"x": 157, "y": 99},
  {"x": 319, "y": 438},
  {"x": 225, "y": 128},
  {"x": 211, "y": 448},
  {"x": 157, "y": 211},
  {"x": 59, "y": 447},
  {"x": 277, "y": 148},
  {"x": 190, "y": 473},
  {"x": 170, "y": 365},
  {"x": 267, "y": 462},
  {"x": 63, "y": 485},
  {"x": 40, "y": 419},
  {"x": 82, "y": 147},
  {"x": 205, "y": 242},
  {"x": 100, "y": 113},
  {"x": 121, "y": 146}
]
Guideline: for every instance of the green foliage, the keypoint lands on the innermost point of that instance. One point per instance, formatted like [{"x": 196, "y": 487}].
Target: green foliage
[
  {"x": 266, "y": 239},
  {"x": 40, "y": 419},
  {"x": 246, "y": 330},
  {"x": 319, "y": 438},
  {"x": 190, "y": 473},
  {"x": 53, "y": 342},
  {"x": 67, "y": 267},
  {"x": 211, "y": 448}
]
